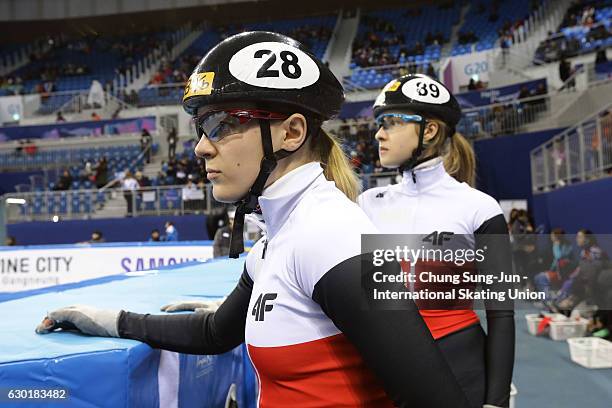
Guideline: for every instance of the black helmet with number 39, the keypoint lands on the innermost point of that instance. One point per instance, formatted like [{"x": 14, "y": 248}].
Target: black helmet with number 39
[
  {"x": 272, "y": 72},
  {"x": 421, "y": 95},
  {"x": 264, "y": 67}
]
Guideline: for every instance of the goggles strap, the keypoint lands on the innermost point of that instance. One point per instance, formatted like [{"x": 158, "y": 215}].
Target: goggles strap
[{"x": 249, "y": 203}]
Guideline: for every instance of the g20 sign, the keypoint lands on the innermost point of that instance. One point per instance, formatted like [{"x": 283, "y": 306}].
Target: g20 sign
[{"x": 476, "y": 68}]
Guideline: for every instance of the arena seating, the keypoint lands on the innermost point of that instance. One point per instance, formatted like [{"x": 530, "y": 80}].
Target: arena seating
[
  {"x": 412, "y": 26},
  {"x": 314, "y": 32},
  {"x": 117, "y": 155},
  {"x": 485, "y": 19},
  {"x": 586, "y": 28},
  {"x": 73, "y": 64}
]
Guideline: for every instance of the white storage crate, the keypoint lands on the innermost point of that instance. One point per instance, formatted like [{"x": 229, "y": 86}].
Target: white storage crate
[
  {"x": 567, "y": 329},
  {"x": 591, "y": 352},
  {"x": 585, "y": 310},
  {"x": 533, "y": 321}
]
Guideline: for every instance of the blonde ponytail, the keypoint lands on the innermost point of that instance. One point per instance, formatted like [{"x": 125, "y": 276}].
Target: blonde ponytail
[
  {"x": 458, "y": 155},
  {"x": 336, "y": 164},
  {"x": 460, "y": 161}
]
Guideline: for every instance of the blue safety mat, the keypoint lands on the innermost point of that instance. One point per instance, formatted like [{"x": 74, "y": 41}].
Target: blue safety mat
[{"x": 105, "y": 372}]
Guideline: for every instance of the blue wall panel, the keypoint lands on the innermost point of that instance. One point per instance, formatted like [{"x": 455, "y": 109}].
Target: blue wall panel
[
  {"x": 503, "y": 167},
  {"x": 585, "y": 205},
  {"x": 190, "y": 228}
]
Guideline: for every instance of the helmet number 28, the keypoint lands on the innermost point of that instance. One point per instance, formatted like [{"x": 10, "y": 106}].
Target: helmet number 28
[
  {"x": 274, "y": 65},
  {"x": 290, "y": 67}
]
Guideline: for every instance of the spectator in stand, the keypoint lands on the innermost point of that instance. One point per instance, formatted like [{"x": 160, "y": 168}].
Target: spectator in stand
[
  {"x": 171, "y": 232},
  {"x": 95, "y": 117},
  {"x": 521, "y": 230},
  {"x": 591, "y": 260},
  {"x": 158, "y": 78},
  {"x": 431, "y": 72},
  {"x": 146, "y": 143},
  {"x": 155, "y": 237},
  {"x": 564, "y": 70},
  {"x": 87, "y": 173},
  {"x": 129, "y": 185},
  {"x": 10, "y": 241},
  {"x": 96, "y": 238},
  {"x": 598, "y": 33},
  {"x": 48, "y": 87},
  {"x": 171, "y": 172},
  {"x": 134, "y": 99},
  {"x": 64, "y": 182},
  {"x": 537, "y": 104},
  {"x": 181, "y": 174},
  {"x": 221, "y": 242},
  {"x": 30, "y": 147},
  {"x": 523, "y": 93},
  {"x": 101, "y": 175},
  {"x": 59, "y": 118},
  {"x": 161, "y": 178},
  {"x": 192, "y": 195},
  {"x": 504, "y": 43},
  {"x": 601, "y": 57},
  {"x": 472, "y": 85},
  {"x": 562, "y": 264},
  {"x": 172, "y": 141},
  {"x": 418, "y": 49},
  {"x": 143, "y": 181}
]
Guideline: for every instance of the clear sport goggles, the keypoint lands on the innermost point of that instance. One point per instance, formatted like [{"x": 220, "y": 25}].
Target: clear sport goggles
[
  {"x": 389, "y": 120},
  {"x": 216, "y": 125}
]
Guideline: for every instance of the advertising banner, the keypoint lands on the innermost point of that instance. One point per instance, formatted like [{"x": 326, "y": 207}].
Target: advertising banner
[{"x": 27, "y": 268}]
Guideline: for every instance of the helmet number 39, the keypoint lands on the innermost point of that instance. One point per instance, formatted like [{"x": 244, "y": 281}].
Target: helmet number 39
[
  {"x": 274, "y": 65},
  {"x": 422, "y": 89},
  {"x": 425, "y": 89}
]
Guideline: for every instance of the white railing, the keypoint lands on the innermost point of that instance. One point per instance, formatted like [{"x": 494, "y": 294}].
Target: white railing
[
  {"x": 162, "y": 94},
  {"x": 159, "y": 200},
  {"x": 514, "y": 115},
  {"x": 580, "y": 153},
  {"x": 68, "y": 102},
  {"x": 535, "y": 20},
  {"x": 76, "y": 100},
  {"x": 504, "y": 118},
  {"x": 21, "y": 56},
  {"x": 84, "y": 204},
  {"x": 76, "y": 142}
]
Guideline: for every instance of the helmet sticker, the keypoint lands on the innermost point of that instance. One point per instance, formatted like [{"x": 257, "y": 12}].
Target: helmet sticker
[
  {"x": 390, "y": 87},
  {"x": 199, "y": 84},
  {"x": 425, "y": 89},
  {"x": 274, "y": 65},
  {"x": 394, "y": 86}
]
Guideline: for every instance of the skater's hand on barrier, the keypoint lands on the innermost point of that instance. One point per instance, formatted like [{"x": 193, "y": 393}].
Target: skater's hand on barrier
[
  {"x": 86, "y": 319},
  {"x": 207, "y": 306}
]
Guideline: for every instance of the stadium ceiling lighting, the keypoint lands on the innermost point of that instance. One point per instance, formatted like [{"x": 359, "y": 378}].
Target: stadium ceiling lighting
[{"x": 20, "y": 201}]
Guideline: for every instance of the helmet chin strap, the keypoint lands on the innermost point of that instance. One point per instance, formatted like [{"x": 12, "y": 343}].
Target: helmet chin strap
[
  {"x": 250, "y": 202},
  {"x": 415, "y": 158},
  {"x": 416, "y": 153}
]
